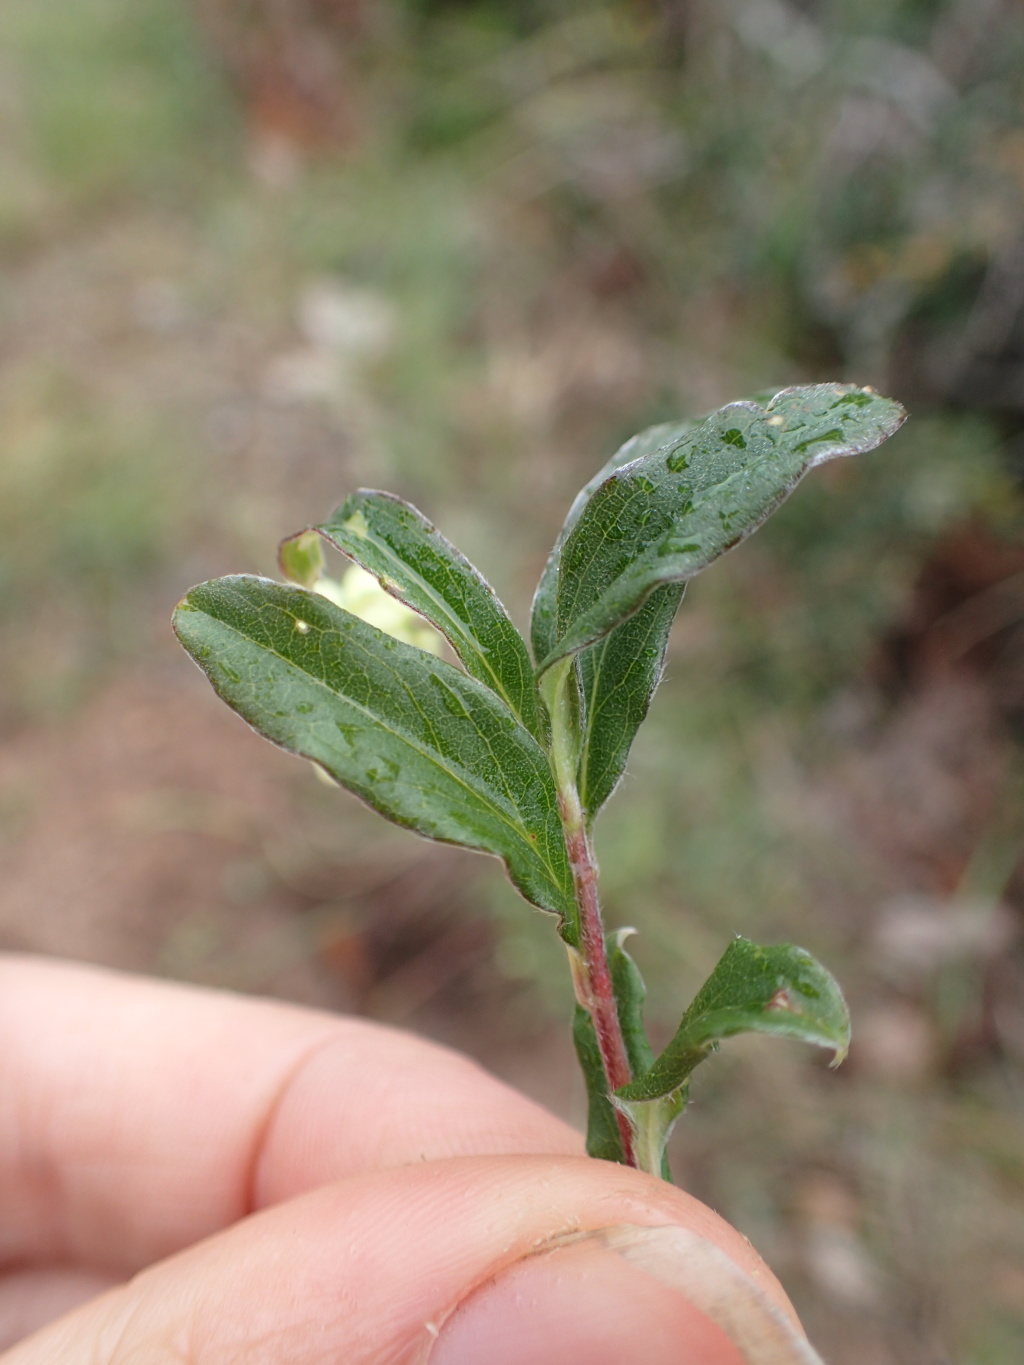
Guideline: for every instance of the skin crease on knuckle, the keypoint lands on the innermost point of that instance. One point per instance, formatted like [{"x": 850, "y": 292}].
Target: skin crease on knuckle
[
  {"x": 357, "y": 1270},
  {"x": 190, "y": 1093},
  {"x": 201, "y": 1107}
]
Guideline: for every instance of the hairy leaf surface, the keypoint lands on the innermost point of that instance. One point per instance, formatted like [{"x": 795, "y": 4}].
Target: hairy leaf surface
[
  {"x": 780, "y": 990},
  {"x": 646, "y": 442},
  {"x": 414, "y": 562},
  {"x": 666, "y": 515},
  {"x": 618, "y": 677},
  {"x": 413, "y": 736},
  {"x": 542, "y": 618},
  {"x": 603, "y": 1138}
]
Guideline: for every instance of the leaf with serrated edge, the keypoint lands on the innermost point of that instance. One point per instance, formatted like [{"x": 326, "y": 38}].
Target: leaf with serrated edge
[
  {"x": 542, "y": 615},
  {"x": 414, "y": 562},
  {"x": 667, "y": 515},
  {"x": 780, "y": 990},
  {"x": 413, "y": 736}
]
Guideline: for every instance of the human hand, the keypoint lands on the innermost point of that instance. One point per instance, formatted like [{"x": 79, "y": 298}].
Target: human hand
[{"x": 193, "y": 1178}]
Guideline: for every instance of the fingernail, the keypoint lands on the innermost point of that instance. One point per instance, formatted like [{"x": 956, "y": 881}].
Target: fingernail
[{"x": 625, "y": 1295}]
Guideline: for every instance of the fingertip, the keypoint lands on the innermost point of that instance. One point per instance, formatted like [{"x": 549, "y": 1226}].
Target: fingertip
[
  {"x": 580, "y": 1305},
  {"x": 495, "y": 1260}
]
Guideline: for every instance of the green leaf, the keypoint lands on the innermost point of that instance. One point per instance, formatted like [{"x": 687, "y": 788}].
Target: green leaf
[
  {"x": 542, "y": 616},
  {"x": 415, "y": 563},
  {"x": 646, "y": 442},
  {"x": 413, "y": 736},
  {"x": 666, "y": 515},
  {"x": 630, "y": 994},
  {"x": 301, "y": 559},
  {"x": 780, "y": 990},
  {"x": 618, "y": 677},
  {"x": 603, "y": 1138},
  {"x": 652, "y": 1122}
]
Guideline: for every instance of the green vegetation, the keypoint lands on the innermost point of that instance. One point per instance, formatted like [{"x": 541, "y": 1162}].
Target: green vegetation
[
  {"x": 558, "y": 222},
  {"x": 517, "y": 758}
]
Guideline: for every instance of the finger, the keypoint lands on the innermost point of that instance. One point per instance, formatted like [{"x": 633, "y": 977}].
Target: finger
[
  {"x": 30, "y": 1298},
  {"x": 140, "y": 1117},
  {"x": 551, "y": 1261}
]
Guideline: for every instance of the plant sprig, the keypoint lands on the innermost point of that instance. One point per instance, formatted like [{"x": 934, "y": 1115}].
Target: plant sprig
[{"x": 515, "y": 755}]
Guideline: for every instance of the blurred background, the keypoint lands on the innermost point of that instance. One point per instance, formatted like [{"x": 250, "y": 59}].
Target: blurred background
[{"x": 254, "y": 253}]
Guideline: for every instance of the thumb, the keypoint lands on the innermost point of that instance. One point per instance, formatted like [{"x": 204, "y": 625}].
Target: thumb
[{"x": 503, "y": 1260}]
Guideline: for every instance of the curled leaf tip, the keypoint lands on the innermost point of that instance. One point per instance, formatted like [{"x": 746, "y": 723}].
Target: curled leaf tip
[{"x": 841, "y": 1053}]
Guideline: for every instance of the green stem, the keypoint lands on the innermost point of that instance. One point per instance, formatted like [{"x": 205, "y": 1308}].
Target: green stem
[
  {"x": 652, "y": 1122},
  {"x": 591, "y": 975}
]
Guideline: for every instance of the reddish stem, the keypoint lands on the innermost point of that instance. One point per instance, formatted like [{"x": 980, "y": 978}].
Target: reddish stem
[
  {"x": 598, "y": 978},
  {"x": 593, "y": 978}
]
